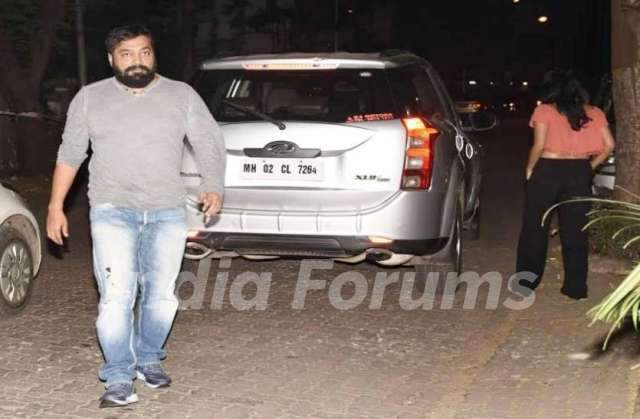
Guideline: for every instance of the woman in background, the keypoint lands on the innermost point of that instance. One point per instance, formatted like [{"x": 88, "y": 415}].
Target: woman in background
[{"x": 571, "y": 138}]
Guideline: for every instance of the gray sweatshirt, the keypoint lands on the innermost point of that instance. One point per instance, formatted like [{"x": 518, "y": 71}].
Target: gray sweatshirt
[{"x": 138, "y": 140}]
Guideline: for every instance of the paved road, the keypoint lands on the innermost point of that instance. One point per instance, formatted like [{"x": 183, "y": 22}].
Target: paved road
[{"x": 323, "y": 362}]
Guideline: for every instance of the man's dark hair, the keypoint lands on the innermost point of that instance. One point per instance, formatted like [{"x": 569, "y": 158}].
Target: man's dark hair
[{"x": 124, "y": 33}]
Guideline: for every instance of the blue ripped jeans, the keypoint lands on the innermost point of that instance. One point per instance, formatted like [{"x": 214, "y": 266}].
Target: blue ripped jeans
[{"x": 135, "y": 252}]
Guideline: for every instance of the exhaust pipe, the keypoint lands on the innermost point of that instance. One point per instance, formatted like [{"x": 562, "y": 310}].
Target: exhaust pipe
[
  {"x": 386, "y": 257},
  {"x": 378, "y": 255},
  {"x": 196, "y": 251}
]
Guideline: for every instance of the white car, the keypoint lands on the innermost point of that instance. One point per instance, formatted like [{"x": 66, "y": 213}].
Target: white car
[
  {"x": 20, "y": 252},
  {"x": 604, "y": 178},
  {"x": 351, "y": 157}
]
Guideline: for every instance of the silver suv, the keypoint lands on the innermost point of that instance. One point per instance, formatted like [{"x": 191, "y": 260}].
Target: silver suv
[{"x": 346, "y": 156}]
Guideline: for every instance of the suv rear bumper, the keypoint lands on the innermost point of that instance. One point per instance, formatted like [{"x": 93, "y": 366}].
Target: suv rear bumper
[
  {"x": 403, "y": 216},
  {"x": 310, "y": 246}
]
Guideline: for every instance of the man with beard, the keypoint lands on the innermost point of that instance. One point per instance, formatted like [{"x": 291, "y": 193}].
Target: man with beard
[{"x": 137, "y": 122}]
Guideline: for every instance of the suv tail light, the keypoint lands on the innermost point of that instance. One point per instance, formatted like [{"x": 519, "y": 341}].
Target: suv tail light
[{"x": 418, "y": 163}]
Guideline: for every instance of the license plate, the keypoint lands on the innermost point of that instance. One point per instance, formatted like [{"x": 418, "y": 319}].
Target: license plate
[{"x": 282, "y": 169}]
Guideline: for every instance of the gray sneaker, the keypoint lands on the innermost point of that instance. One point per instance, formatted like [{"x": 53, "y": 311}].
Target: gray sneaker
[
  {"x": 153, "y": 376},
  {"x": 118, "y": 394}
]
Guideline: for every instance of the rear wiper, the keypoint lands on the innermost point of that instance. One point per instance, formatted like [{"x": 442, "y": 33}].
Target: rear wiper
[{"x": 259, "y": 114}]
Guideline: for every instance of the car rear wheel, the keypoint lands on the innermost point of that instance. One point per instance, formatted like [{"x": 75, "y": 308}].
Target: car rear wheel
[
  {"x": 472, "y": 227},
  {"x": 16, "y": 271},
  {"x": 446, "y": 271}
]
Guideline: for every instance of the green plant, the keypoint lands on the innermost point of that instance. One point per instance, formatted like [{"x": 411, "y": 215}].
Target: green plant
[
  {"x": 603, "y": 238},
  {"x": 624, "y": 301}
]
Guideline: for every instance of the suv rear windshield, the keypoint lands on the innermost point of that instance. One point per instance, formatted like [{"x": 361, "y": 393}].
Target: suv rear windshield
[{"x": 342, "y": 95}]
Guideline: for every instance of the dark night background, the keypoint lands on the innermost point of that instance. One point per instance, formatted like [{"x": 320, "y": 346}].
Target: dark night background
[{"x": 498, "y": 45}]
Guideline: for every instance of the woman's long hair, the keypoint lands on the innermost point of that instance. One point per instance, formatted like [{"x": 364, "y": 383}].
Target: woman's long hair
[{"x": 562, "y": 89}]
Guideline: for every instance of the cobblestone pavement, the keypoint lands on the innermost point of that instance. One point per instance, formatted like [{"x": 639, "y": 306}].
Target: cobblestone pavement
[{"x": 321, "y": 362}]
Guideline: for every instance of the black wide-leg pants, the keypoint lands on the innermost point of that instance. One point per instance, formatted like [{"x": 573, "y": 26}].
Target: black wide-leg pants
[{"x": 553, "y": 181}]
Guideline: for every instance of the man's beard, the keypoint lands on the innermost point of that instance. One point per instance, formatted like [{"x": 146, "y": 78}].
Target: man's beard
[{"x": 135, "y": 76}]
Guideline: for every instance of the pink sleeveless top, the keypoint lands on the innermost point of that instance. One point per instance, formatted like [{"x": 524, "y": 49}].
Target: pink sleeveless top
[{"x": 564, "y": 140}]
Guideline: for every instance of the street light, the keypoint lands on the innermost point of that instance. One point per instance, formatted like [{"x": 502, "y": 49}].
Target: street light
[{"x": 543, "y": 19}]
